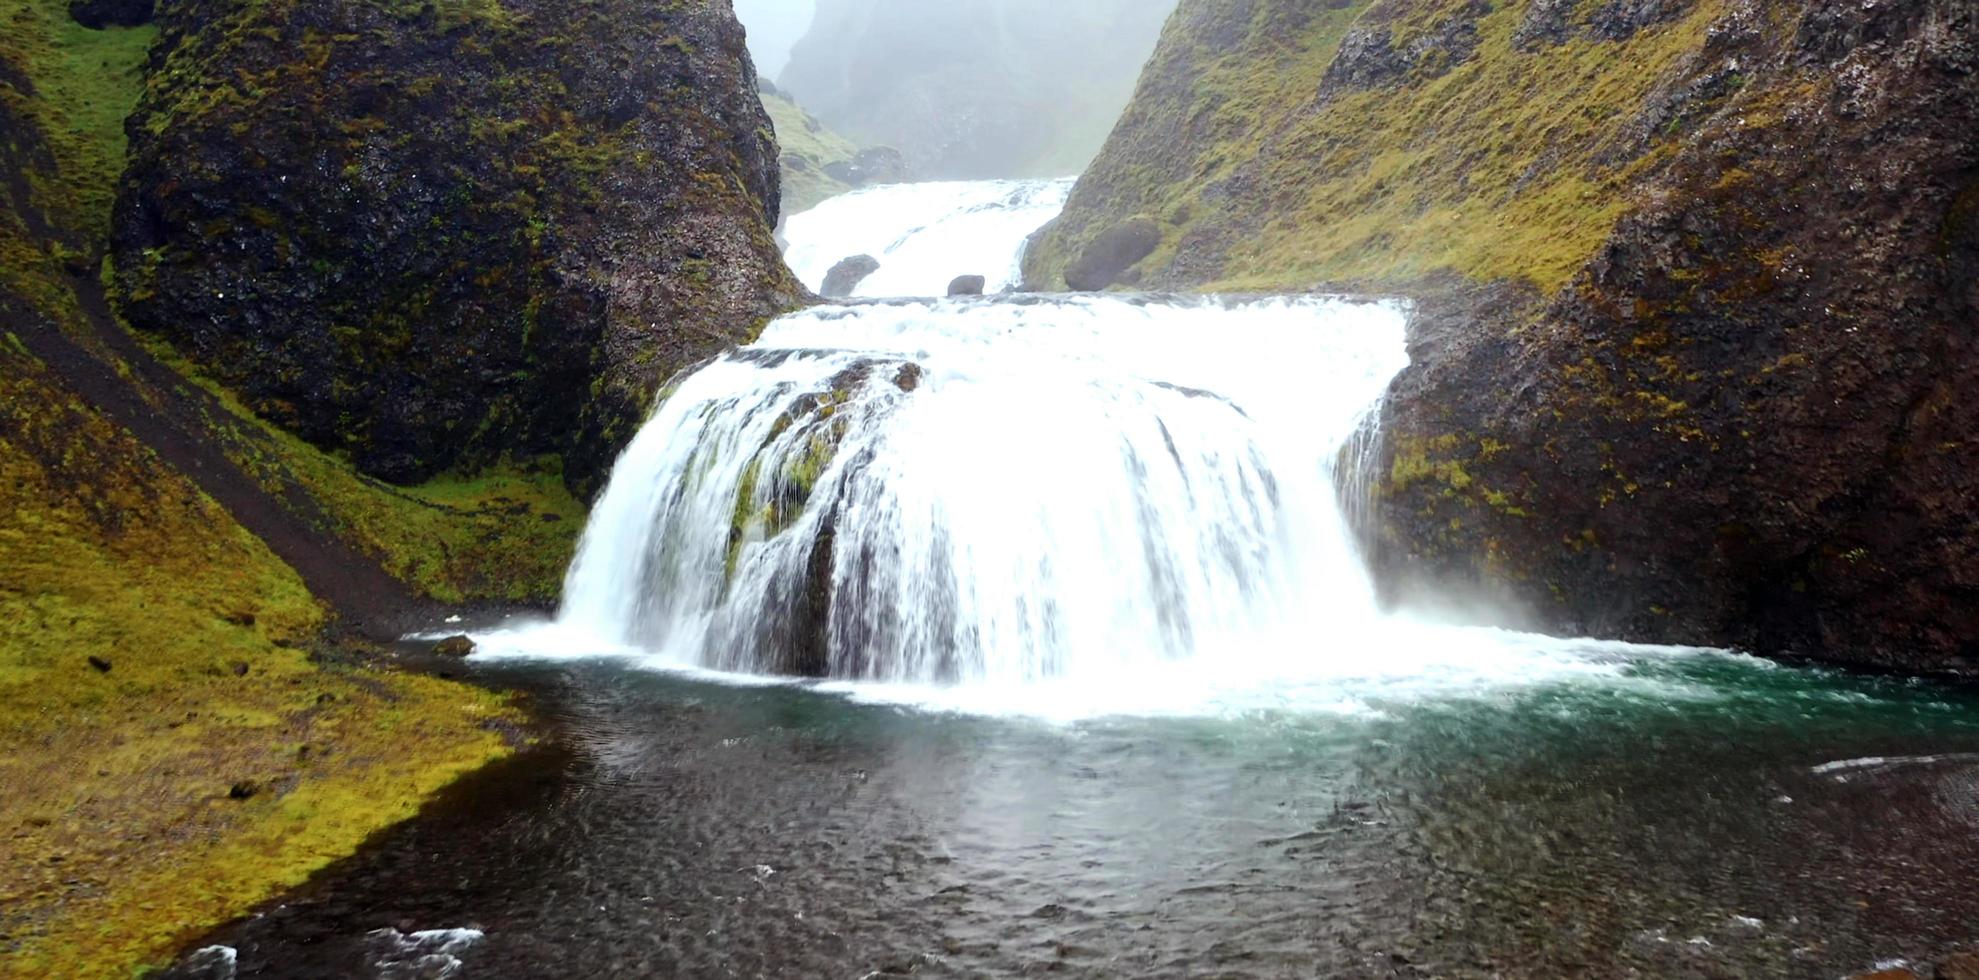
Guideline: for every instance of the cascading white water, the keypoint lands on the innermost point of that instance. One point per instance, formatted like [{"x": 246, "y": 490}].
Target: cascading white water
[
  {"x": 995, "y": 492},
  {"x": 924, "y": 235},
  {"x": 1054, "y": 505}
]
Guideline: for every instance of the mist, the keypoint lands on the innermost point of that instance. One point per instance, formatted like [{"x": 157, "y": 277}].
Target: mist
[
  {"x": 774, "y": 26},
  {"x": 964, "y": 89}
]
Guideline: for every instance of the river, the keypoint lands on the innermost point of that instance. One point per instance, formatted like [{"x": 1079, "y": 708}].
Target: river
[{"x": 991, "y": 637}]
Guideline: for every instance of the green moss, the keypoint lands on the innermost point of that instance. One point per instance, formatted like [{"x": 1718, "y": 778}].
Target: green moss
[
  {"x": 806, "y": 149},
  {"x": 86, "y": 83},
  {"x": 506, "y": 533},
  {"x": 1513, "y": 165},
  {"x": 123, "y": 842}
]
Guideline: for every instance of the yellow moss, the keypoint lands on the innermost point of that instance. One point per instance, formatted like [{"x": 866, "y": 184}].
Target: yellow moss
[
  {"x": 805, "y": 148},
  {"x": 1496, "y": 170},
  {"x": 507, "y": 533},
  {"x": 121, "y": 838}
]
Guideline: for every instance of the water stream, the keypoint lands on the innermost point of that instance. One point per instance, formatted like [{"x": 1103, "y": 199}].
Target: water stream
[{"x": 1024, "y": 635}]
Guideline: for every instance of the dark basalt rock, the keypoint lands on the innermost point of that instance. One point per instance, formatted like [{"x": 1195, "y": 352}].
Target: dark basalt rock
[
  {"x": 1104, "y": 262},
  {"x": 1367, "y": 59},
  {"x": 1619, "y": 20},
  {"x": 1746, "y": 421},
  {"x": 99, "y": 14},
  {"x": 435, "y": 239},
  {"x": 1547, "y": 23},
  {"x": 967, "y": 286},
  {"x": 845, "y": 277},
  {"x": 455, "y": 647}
]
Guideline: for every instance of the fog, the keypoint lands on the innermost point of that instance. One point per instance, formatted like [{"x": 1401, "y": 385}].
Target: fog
[
  {"x": 774, "y": 28},
  {"x": 963, "y": 89}
]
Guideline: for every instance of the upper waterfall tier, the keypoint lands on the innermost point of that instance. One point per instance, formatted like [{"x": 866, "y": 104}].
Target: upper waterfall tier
[{"x": 925, "y": 235}]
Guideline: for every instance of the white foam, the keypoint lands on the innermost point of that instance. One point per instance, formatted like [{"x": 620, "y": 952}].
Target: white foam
[{"x": 924, "y": 235}]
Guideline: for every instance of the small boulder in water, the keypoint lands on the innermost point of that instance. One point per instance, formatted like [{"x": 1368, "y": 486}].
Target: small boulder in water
[
  {"x": 1108, "y": 258},
  {"x": 454, "y": 646},
  {"x": 847, "y": 275},
  {"x": 967, "y": 286}
]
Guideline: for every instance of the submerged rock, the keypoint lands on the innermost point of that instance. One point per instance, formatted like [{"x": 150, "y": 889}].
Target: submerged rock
[
  {"x": 844, "y": 278},
  {"x": 967, "y": 286}
]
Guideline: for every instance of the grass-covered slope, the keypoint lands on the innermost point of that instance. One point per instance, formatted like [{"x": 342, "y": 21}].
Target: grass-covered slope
[
  {"x": 1695, "y": 279},
  {"x": 1448, "y": 139},
  {"x": 171, "y": 750},
  {"x": 806, "y": 148}
]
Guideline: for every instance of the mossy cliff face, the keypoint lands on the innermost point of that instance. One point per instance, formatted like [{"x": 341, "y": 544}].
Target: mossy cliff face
[
  {"x": 1696, "y": 288},
  {"x": 430, "y": 236}
]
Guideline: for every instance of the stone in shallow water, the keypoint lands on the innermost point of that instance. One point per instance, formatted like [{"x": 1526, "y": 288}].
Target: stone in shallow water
[
  {"x": 454, "y": 646},
  {"x": 847, "y": 275},
  {"x": 967, "y": 286}
]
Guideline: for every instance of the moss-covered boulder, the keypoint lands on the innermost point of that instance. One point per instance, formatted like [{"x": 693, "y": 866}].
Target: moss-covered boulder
[
  {"x": 431, "y": 235},
  {"x": 1696, "y": 288}
]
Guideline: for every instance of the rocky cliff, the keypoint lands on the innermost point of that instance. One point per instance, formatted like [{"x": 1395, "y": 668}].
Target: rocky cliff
[
  {"x": 975, "y": 88},
  {"x": 431, "y": 236},
  {"x": 1696, "y": 287},
  {"x": 185, "y": 587}
]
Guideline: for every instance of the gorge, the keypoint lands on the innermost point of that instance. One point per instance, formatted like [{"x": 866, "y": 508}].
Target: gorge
[{"x": 1454, "y": 488}]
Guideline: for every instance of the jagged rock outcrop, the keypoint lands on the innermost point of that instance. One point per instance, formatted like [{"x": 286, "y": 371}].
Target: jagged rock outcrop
[
  {"x": 431, "y": 237},
  {"x": 975, "y": 88},
  {"x": 1696, "y": 285},
  {"x": 844, "y": 278}
]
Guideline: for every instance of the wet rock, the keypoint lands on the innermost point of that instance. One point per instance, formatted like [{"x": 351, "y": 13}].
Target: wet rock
[
  {"x": 456, "y": 647},
  {"x": 209, "y": 963},
  {"x": 102, "y": 666},
  {"x": 845, "y": 277},
  {"x": 967, "y": 286},
  {"x": 1547, "y": 23},
  {"x": 451, "y": 239},
  {"x": 1959, "y": 966},
  {"x": 99, "y": 14},
  {"x": 908, "y": 378},
  {"x": 1103, "y": 262},
  {"x": 1741, "y": 423}
]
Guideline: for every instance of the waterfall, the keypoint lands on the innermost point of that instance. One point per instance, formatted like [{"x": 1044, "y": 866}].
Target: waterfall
[
  {"x": 1001, "y": 492},
  {"x": 1059, "y": 506},
  {"x": 925, "y": 235}
]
